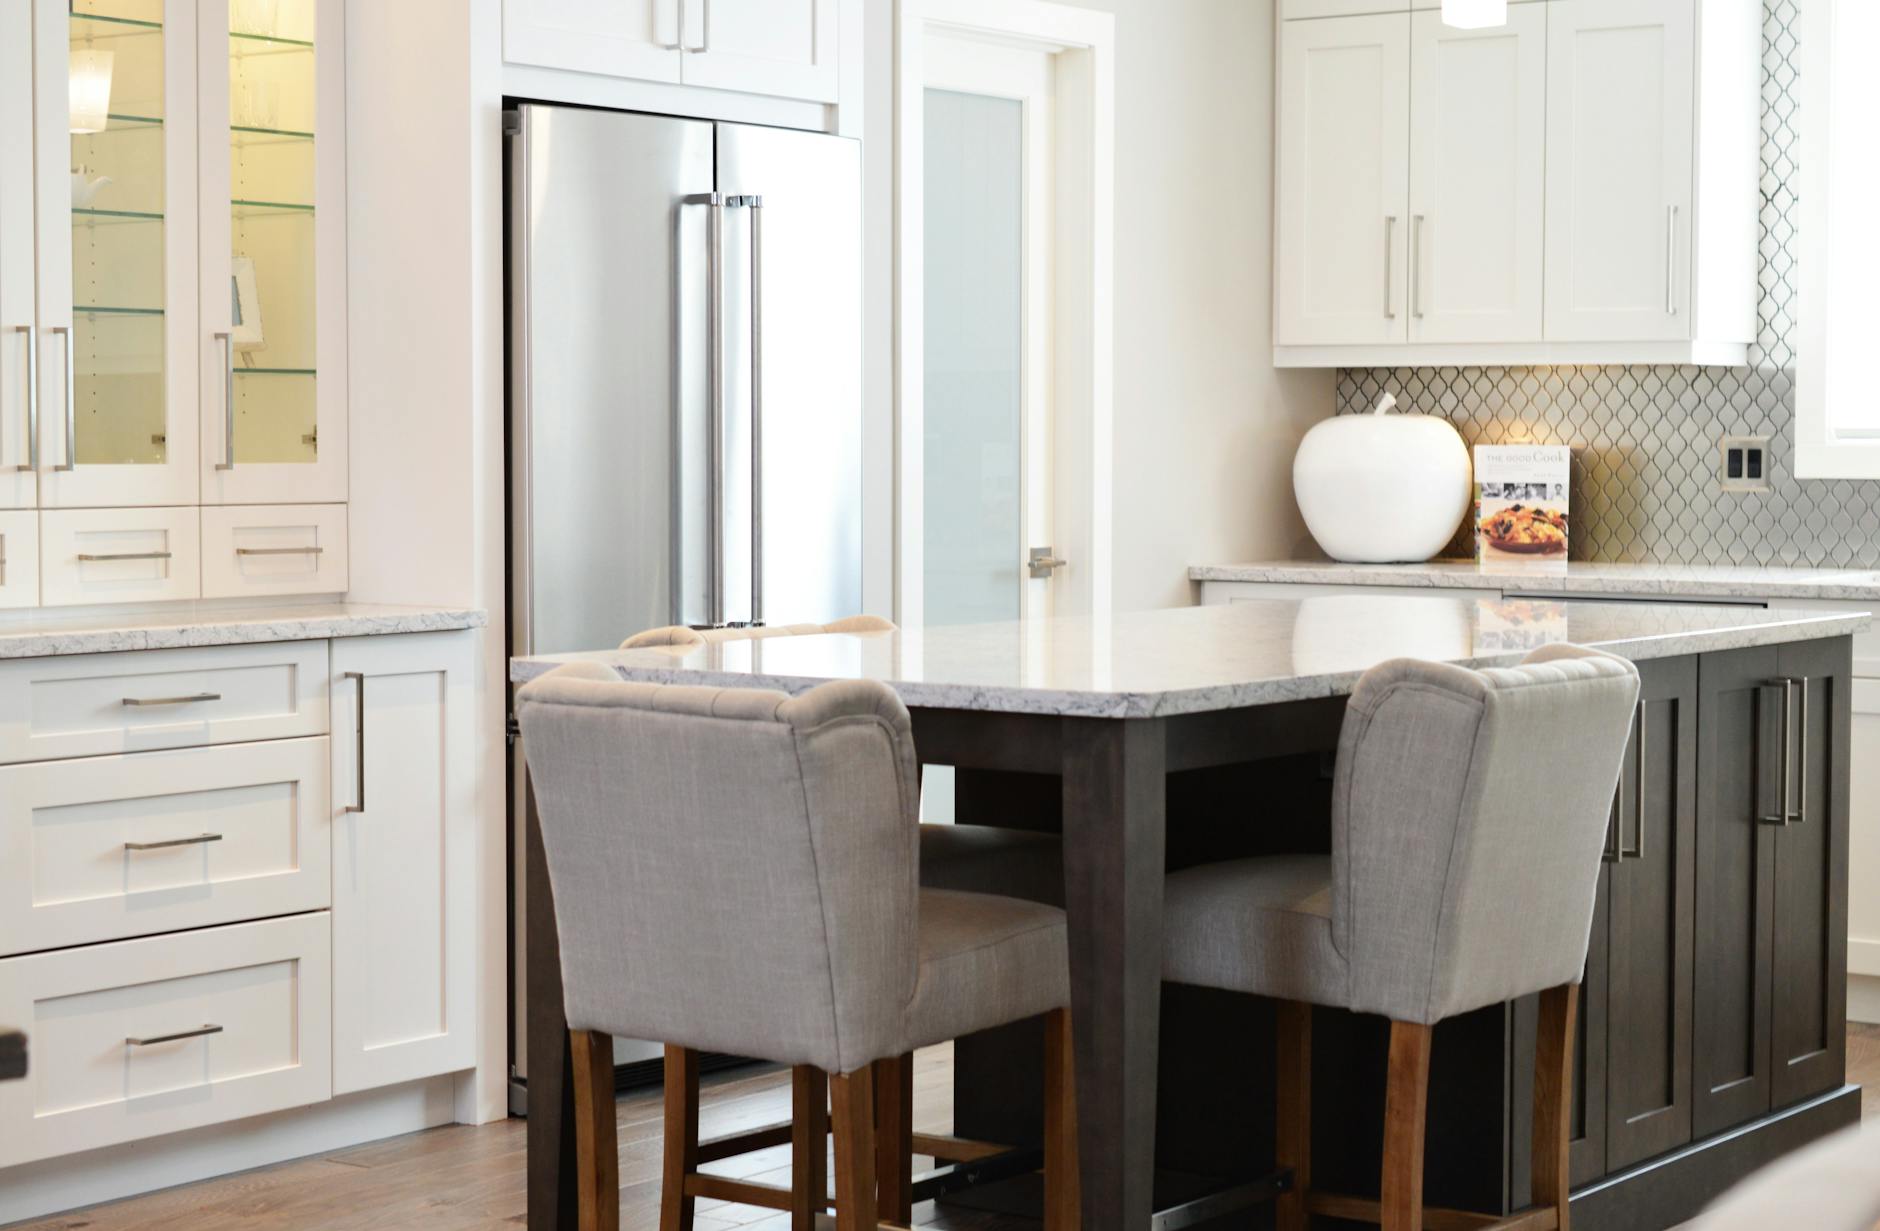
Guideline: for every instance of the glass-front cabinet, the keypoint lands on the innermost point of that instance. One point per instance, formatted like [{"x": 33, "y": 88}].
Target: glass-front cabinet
[{"x": 273, "y": 261}]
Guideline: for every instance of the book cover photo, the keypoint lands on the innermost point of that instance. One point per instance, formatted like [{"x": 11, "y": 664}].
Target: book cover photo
[{"x": 1521, "y": 502}]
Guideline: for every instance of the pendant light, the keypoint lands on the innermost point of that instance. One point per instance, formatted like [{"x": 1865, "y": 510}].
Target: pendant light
[
  {"x": 90, "y": 91},
  {"x": 1475, "y": 14}
]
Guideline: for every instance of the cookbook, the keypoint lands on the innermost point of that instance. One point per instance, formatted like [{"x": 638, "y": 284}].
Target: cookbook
[{"x": 1521, "y": 502}]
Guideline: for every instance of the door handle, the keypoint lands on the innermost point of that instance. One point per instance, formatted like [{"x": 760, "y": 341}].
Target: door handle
[
  {"x": 1638, "y": 791},
  {"x": 71, "y": 402},
  {"x": 1042, "y": 563},
  {"x": 1416, "y": 266},
  {"x": 755, "y": 204},
  {"x": 32, "y": 397},
  {"x": 1671, "y": 260},
  {"x": 359, "y": 746},
  {"x": 1614, "y": 851},
  {"x": 705, "y": 27},
  {"x": 1390, "y": 252},
  {"x": 1782, "y": 816},
  {"x": 678, "y": 40},
  {"x": 228, "y": 401}
]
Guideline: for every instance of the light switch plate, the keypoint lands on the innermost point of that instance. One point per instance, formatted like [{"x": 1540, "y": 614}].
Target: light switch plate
[{"x": 1743, "y": 464}]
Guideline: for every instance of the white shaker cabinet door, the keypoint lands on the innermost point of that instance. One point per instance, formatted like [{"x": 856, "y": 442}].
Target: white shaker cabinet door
[
  {"x": 1477, "y": 178},
  {"x": 1620, "y": 77},
  {"x": 617, "y": 38},
  {"x": 1344, "y": 164},
  {"x": 782, "y": 48},
  {"x": 404, "y": 858},
  {"x": 18, "y": 319}
]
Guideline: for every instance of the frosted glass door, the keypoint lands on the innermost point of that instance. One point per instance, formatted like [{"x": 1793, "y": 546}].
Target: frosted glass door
[
  {"x": 116, "y": 170},
  {"x": 974, "y": 345},
  {"x": 272, "y": 336}
]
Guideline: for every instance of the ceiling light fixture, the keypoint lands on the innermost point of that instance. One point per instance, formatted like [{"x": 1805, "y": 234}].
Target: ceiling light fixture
[{"x": 1475, "y": 14}]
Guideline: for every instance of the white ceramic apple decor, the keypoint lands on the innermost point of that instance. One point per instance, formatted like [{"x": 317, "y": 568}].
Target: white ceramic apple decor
[{"x": 1382, "y": 488}]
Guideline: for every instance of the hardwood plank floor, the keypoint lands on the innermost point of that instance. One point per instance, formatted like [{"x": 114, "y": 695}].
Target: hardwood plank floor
[{"x": 460, "y": 1178}]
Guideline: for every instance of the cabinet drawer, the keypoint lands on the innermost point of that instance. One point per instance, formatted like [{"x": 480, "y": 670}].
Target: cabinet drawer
[
  {"x": 91, "y": 704},
  {"x": 119, "y": 555},
  {"x": 19, "y": 559},
  {"x": 142, "y": 1037},
  {"x": 273, "y": 549},
  {"x": 110, "y": 847}
]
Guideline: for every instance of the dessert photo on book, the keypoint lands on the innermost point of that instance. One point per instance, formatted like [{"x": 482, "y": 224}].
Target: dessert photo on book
[{"x": 1521, "y": 502}]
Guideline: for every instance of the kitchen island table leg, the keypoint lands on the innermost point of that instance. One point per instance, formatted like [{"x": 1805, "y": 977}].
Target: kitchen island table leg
[
  {"x": 1115, "y": 773},
  {"x": 552, "y": 1193}
]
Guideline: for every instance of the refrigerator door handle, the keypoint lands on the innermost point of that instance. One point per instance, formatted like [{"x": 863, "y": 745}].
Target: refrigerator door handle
[
  {"x": 715, "y": 346},
  {"x": 756, "y": 205}
]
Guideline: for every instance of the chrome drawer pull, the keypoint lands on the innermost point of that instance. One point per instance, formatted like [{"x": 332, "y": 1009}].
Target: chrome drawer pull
[
  {"x": 157, "y": 846},
  {"x": 279, "y": 551},
  {"x": 154, "y": 1039},
  {"x": 359, "y": 746},
  {"x": 190, "y": 699},
  {"x": 126, "y": 555}
]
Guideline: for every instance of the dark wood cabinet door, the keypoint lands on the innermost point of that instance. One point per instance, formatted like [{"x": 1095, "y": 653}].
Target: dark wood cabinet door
[
  {"x": 1586, "y": 1161},
  {"x": 1809, "y": 1008},
  {"x": 1650, "y": 973},
  {"x": 1738, "y": 726}
]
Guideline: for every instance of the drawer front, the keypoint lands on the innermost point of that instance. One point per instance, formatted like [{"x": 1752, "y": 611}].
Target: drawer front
[
  {"x": 252, "y": 1004},
  {"x": 94, "y": 704},
  {"x": 252, "y": 550},
  {"x": 19, "y": 559},
  {"x": 109, "y": 847},
  {"x": 119, "y": 555}
]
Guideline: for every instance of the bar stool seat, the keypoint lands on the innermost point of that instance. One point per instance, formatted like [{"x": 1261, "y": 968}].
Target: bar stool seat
[
  {"x": 985, "y": 958},
  {"x": 1262, "y": 922}
]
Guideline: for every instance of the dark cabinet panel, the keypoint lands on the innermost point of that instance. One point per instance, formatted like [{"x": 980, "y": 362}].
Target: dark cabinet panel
[
  {"x": 1650, "y": 971},
  {"x": 1586, "y": 1160},
  {"x": 1809, "y": 948}
]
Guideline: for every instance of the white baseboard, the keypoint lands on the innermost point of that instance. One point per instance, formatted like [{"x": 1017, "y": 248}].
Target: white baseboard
[
  {"x": 33, "y": 1190},
  {"x": 1863, "y": 998}
]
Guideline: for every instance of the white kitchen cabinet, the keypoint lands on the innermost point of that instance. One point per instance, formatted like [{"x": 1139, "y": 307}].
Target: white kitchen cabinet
[
  {"x": 1477, "y": 177},
  {"x": 261, "y": 550},
  {"x": 1344, "y": 168},
  {"x": 1620, "y": 169},
  {"x": 619, "y": 38},
  {"x": 404, "y": 858},
  {"x": 1863, "y": 854},
  {"x": 19, "y": 488},
  {"x": 19, "y": 559},
  {"x": 115, "y": 555}
]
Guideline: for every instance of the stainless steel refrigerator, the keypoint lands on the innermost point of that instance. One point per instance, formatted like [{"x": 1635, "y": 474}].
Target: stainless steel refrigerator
[{"x": 684, "y": 385}]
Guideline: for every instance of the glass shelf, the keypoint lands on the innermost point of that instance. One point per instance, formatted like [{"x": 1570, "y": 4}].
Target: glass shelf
[
  {"x": 274, "y": 372},
  {"x": 122, "y": 122},
  {"x": 277, "y": 134},
  {"x": 103, "y": 19},
  {"x": 116, "y": 215},
  {"x": 253, "y": 209},
  {"x": 98, "y": 310}
]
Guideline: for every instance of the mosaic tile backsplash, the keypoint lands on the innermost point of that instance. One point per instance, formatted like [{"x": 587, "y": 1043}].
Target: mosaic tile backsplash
[{"x": 1646, "y": 439}]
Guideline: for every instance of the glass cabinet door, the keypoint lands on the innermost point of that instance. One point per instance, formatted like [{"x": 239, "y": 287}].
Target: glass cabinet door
[
  {"x": 115, "y": 141},
  {"x": 19, "y": 486},
  {"x": 273, "y": 323}
]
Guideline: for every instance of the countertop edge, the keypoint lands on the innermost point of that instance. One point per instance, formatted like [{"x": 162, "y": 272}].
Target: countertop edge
[
  {"x": 237, "y": 629},
  {"x": 1461, "y": 575}
]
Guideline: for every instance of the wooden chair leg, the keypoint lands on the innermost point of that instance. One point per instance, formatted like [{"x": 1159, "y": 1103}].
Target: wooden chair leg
[
  {"x": 596, "y": 1141},
  {"x": 1406, "y": 1100},
  {"x": 809, "y": 1146},
  {"x": 681, "y": 1139},
  {"x": 852, "y": 1113},
  {"x": 1293, "y": 1129},
  {"x": 894, "y": 1139},
  {"x": 1063, "y": 1188},
  {"x": 1553, "y": 1098}
]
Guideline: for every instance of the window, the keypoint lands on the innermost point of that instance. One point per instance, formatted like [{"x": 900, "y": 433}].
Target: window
[{"x": 1837, "y": 421}]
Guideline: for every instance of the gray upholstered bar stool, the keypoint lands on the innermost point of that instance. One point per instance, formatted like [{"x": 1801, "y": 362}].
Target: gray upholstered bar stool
[
  {"x": 979, "y": 858},
  {"x": 1468, "y": 815},
  {"x": 735, "y": 870}
]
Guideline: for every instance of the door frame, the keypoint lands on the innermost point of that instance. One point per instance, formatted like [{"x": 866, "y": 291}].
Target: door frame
[{"x": 1082, "y": 43}]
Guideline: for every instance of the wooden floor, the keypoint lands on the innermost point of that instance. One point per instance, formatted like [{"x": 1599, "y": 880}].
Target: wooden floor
[{"x": 471, "y": 1179}]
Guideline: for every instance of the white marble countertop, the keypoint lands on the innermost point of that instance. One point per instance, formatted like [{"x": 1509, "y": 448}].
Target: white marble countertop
[
  {"x": 1563, "y": 577},
  {"x": 40, "y": 633},
  {"x": 1194, "y": 659}
]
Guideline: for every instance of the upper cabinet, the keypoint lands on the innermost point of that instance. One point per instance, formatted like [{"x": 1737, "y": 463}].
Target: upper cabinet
[
  {"x": 779, "y": 48},
  {"x": 1575, "y": 186}
]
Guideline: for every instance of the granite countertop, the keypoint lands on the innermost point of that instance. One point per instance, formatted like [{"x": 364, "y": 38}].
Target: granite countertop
[
  {"x": 1194, "y": 659},
  {"x": 1562, "y": 577},
  {"x": 39, "y": 633}
]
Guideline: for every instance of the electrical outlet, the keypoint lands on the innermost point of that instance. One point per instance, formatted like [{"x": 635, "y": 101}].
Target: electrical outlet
[{"x": 1743, "y": 464}]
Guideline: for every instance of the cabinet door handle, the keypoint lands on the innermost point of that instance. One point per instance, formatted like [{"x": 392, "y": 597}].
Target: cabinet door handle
[
  {"x": 154, "y": 1039},
  {"x": 190, "y": 699},
  {"x": 279, "y": 551},
  {"x": 1782, "y": 815},
  {"x": 1800, "y": 815},
  {"x": 1416, "y": 266},
  {"x": 198, "y": 840},
  {"x": 678, "y": 41},
  {"x": 1671, "y": 260},
  {"x": 1390, "y": 254},
  {"x": 705, "y": 27},
  {"x": 228, "y": 400},
  {"x": 32, "y": 397},
  {"x": 359, "y": 746},
  {"x": 1613, "y": 852},
  {"x": 1638, "y": 791},
  {"x": 71, "y": 402},
  {"x": 120, "y": 555}
]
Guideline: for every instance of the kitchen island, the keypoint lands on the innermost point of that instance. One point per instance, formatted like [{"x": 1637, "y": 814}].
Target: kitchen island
[{"x": 1713, "y": 1035}]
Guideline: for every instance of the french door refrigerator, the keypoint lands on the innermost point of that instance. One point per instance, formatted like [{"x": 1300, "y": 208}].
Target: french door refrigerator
[{"x": 684, "y": 388}]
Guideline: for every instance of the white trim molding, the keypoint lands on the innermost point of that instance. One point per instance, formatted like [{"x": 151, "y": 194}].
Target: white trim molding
[{"x": 1083, "y": 44}]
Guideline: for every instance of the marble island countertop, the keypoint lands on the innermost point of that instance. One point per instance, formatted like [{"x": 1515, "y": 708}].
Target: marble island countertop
[
  {"x": 1195, "y": 659},
  {"x": 1563, "y": 577},
  {"x": 38, "y": 634}
]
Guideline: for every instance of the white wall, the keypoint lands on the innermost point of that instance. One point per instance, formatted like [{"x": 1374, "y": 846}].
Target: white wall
[{"x": 1205, "y": 426}]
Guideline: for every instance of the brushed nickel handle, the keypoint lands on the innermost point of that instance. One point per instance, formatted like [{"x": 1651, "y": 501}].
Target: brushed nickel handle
[
  {"x": 71, "y": 402},
  {"x": 1801, "y": 759},
  {"x": 190, "y": 699},
  {"x": 228, "y": 400},
  {"x": 705, "y": 25},
  {"x": 359, "y": 746},
  {"x": 32, "y": 397},
  {"x": 154, "y": 1039},
  {"x": 1671, "y": 260},
  {"x": 1042, "y": 563},
  {"x": 1613, "y": 851},
  {"x": 1783, "y": 790},
  {"x": 1638, "y": 791},
  {"x": 1416, "y": 266},
  {"x": 120, "y": 555},
  {"x": 678, "y": 42},
  {"x": 198, "y": 840},
  {"x": 279, "y": 551},
  {"x": 1390, "y": 252},
  {"x": 756, "y": 205}
]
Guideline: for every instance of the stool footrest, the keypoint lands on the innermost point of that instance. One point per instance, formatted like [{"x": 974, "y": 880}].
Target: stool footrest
[
  {"x": 739, "y": 1192},
  {"x": 744, "y": 1143},
  {"x": 1435, "y": 1218},
  {"x": 963, "y": 1175},
  {"x": 1229, "y": 1200},
  {"x": 944, "y": 1149}
]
